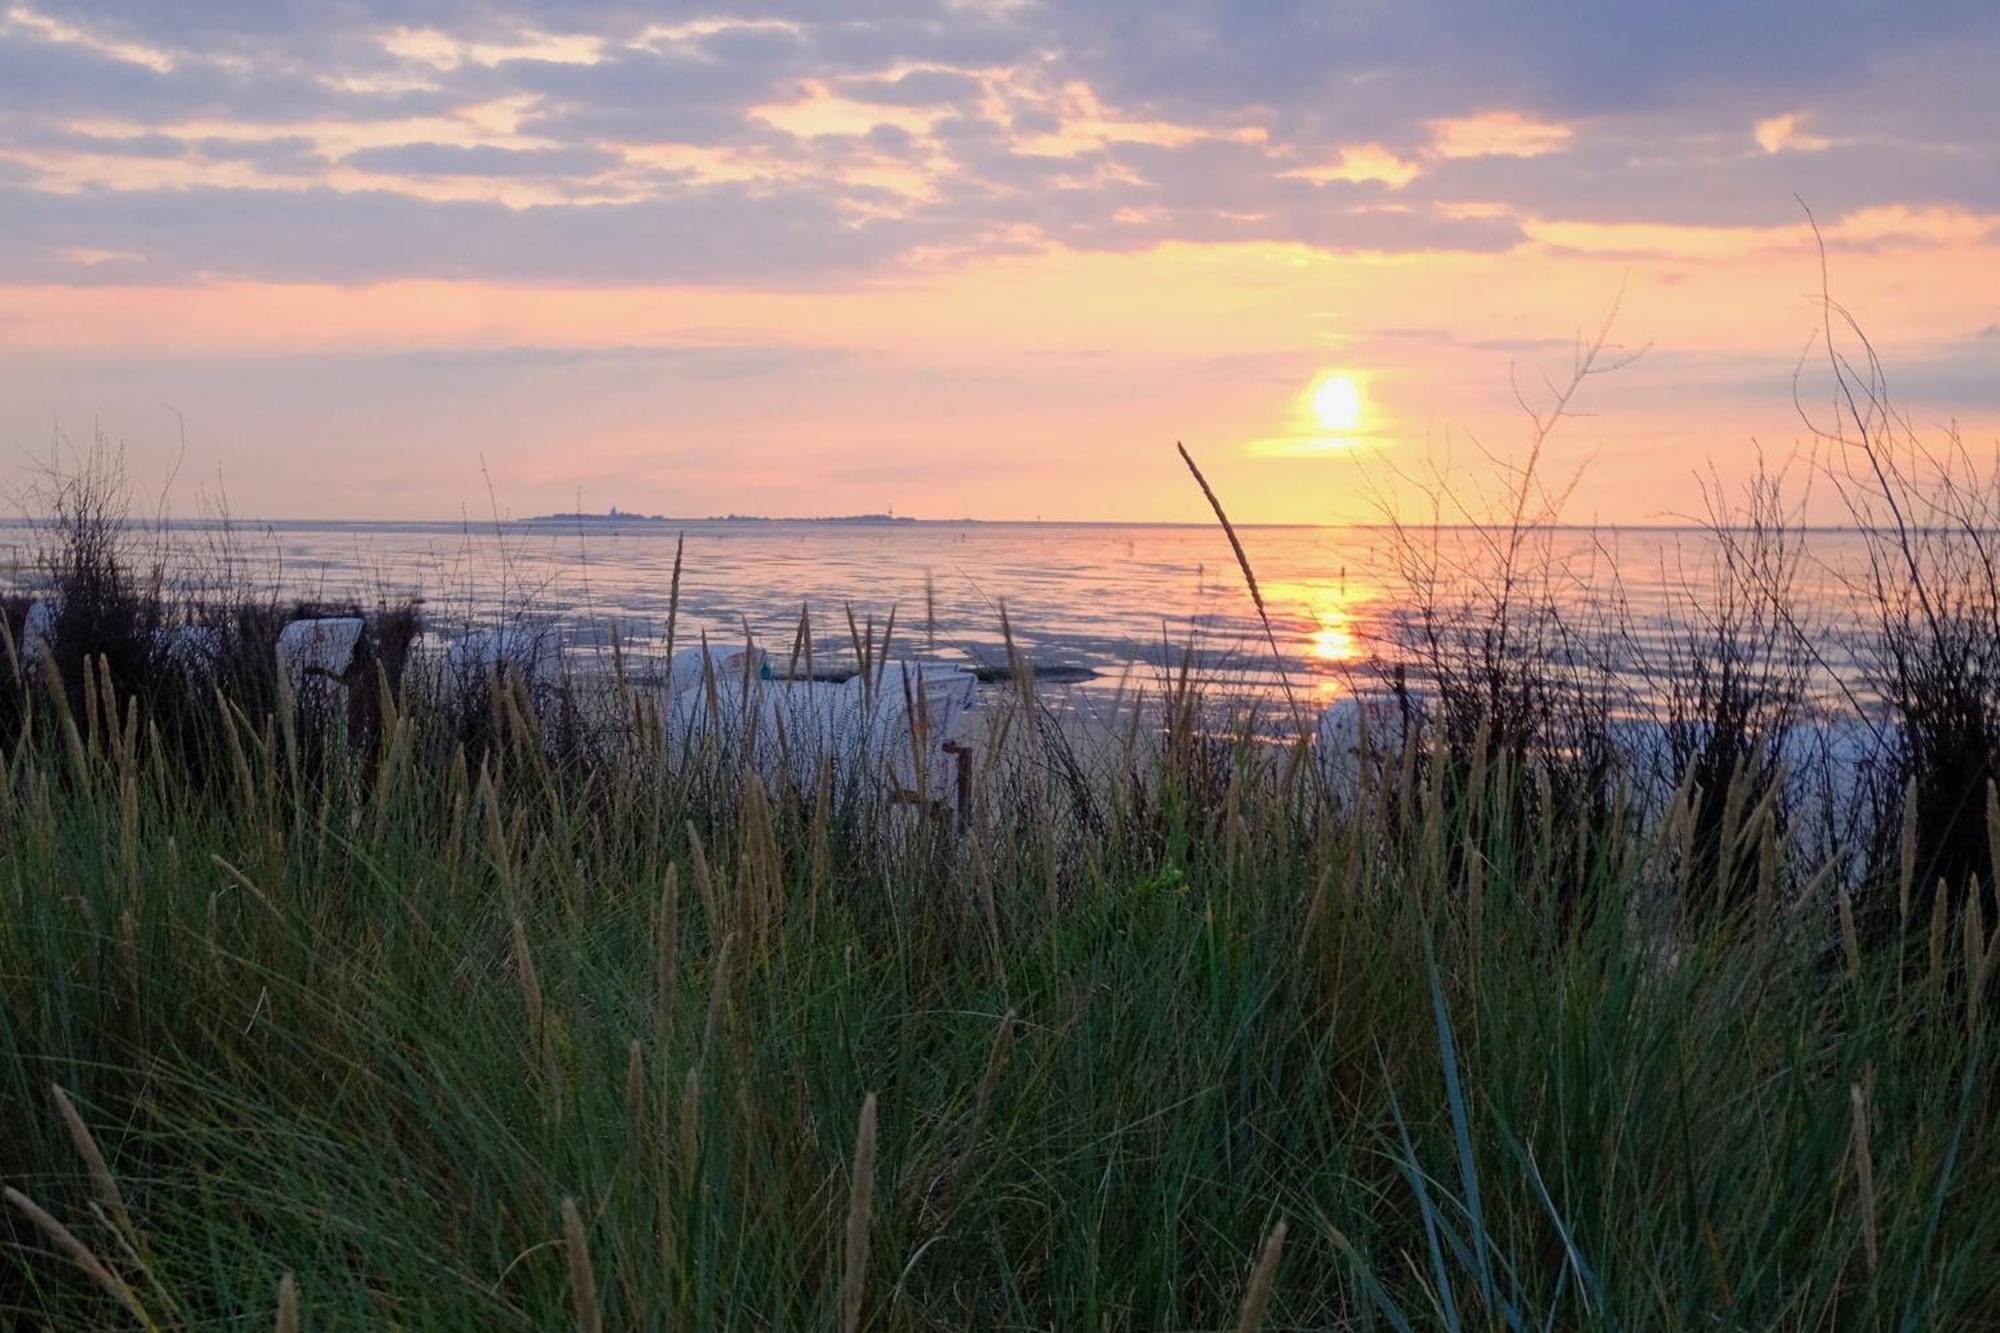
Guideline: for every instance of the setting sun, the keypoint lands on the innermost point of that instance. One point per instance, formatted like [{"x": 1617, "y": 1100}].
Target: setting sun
[{"x": 1336, "y": 404}]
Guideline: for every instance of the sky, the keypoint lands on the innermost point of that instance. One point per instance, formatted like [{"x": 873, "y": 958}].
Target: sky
[{"x": 988, "y": 258}]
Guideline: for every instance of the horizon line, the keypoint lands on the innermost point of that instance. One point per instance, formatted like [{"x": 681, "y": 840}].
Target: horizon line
[{"x": 864, "y": 521}]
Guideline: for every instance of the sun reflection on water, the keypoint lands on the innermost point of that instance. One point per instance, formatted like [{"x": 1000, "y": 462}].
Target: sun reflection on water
[{"x": 1332, "y": 616}]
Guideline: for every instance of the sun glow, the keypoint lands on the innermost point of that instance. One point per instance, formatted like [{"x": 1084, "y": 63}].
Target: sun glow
[
  {"x": 1336, "y": 404},
  {"x": 1333, "y": 616}
]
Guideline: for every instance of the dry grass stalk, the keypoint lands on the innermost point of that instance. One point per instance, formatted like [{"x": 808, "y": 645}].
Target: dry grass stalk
[
  {"x": 1940, "y": 897},
  {"x": 635, "y": 1089},
  {"x": 667, "y": 955},
  {"x": 79, "y": 1254},
  {"x": 1906, "y": 870},
  {"x": 718, "y": 985},
  {"x": 1257, "y": 1297},
  {"x": 1250, "y": 579},
  {"x": 820, "y": 836},
  {"x": 759, "y": 864},
  {"x": 674, "y": 591},
  {"x": 72, "y": 740},
  {"x": 1864, "y": 1167},
  {"x": 247, "y": 884},
  {"x": 690, "y": 1124},
  {"x": 860, "y": 1211},
  {"x": 704, "y": 882},
  {"x": 582, "y": 1280},
  {"x": 101, "y": 1178},
  {"x": 498, "y": 851},
  {"x": 531, "y": 982},
  {"x": 1850, "y": 940},
  {"x": 288, "y": 1305}
]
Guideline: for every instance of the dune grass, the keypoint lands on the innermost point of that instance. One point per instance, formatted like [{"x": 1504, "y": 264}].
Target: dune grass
[
  {"x": 420, "y": 1041},
  {"x": 480, "y": 1006}
]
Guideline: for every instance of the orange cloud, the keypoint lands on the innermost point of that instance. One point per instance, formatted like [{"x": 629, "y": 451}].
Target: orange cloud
[
  {"x": 1362, "y": 162},
  {"x": 1781, "y": 133},
  {"x": 1498, "y": 134}
]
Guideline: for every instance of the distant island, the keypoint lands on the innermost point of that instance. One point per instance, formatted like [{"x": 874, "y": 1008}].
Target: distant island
[
  {"x": 614, "y": 515},
  {"x": 617, "y": 515}
]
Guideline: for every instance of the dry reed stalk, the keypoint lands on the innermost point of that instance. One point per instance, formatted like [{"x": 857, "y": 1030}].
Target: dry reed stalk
[
  {"x": 880, "y": 653},
  {"x": 13, "y": 653},
  {"x": 101, "y": 1178},
  {"x": 674, "y": 590},
  {"x": 248, "y": 885},
  {"x": 582, "y": 1280},
  {"x": 635, "y": 1090},
  {"x": 1017, "y": 667},
  {"x": 989, "y": 1075},
  {"x": 72, "y": 740},
  {"x": 1850, "y": 940},
  {"x": 820, "y": 836},
  {"x": 717, "y": 988},
  {"x": 759, "y": 863},
  {"x": 930, "y": 612},
  {"x": 863, "y": 644},
  {"x": 1864, "y": 1166},
  {"x": 704, "y": 882},
  {"x": 800, "y": 633},
  {"x": 1992, "y": 836},
  {"x": 129, "y": 747},
  {"x": 99, "y": 679},
  {"x": 128, "y": 834},
  {"x": 90, "y": 704},
  {"x": 454, "y": 841},
  {"x": 667, "y": 956},
  {"x": 690, "y": 1124},
  {"x": 1906, "y": 876},
  {"x": 1257, "y": 1297},
  {"x": 288, "y": 1305},
  {"x": 498, "y": 851},
  {"x": 530, "y": 980},
  {"x": 128, "y": 949},
  {"x": 1818, "y": 881},
  {"x": 1939, "y": 896},
  {"x": 79, "y": 1254},
  {"x": 860, "y": 1210},
  {"x": 1250, "y": 579}
]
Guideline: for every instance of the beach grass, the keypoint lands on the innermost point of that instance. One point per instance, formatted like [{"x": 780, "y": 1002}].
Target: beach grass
[
  {"x": 477, "y": 1001},
  {"x": 424, "y": 1039}
]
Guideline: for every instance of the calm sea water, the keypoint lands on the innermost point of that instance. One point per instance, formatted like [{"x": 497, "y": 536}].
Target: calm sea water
[{"x": 1131, "y": 602}]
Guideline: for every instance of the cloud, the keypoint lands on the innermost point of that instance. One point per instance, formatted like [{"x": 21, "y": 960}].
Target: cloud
[
  {"x": 919, "y": 87},
  {"x": 725, "y": 234},
  {"x": 1498, "y": 134},
  {"x": 444, "y": 159},
  {"x": 1779, "y": 133},
  {"x": 1362, "y": 162},
  {"x": 789, "y": 141}
]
